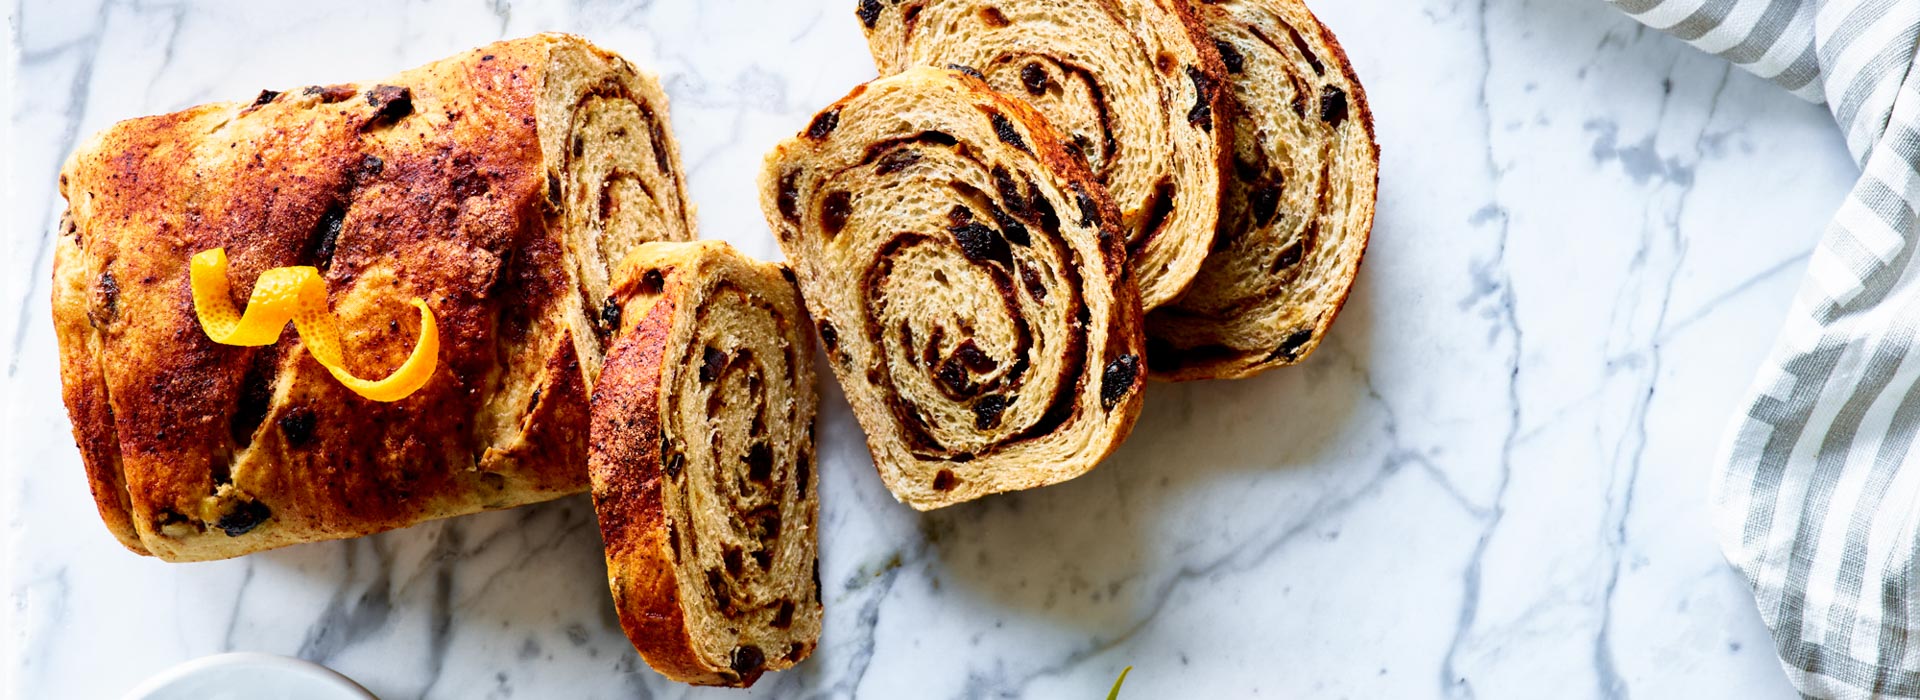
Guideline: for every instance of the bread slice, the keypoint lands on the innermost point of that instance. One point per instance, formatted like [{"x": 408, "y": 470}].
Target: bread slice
[
  {"x": 1134, "y": 86},
  {"x": 1299, "y": 205},
  {"x": 702, "y": 464},
  {"x": 499, "y": 185},
  {"x": 968, "y": 282}
]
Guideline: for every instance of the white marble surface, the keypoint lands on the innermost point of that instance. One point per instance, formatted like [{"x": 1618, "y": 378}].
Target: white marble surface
[{"x": 1490, "y": 483}]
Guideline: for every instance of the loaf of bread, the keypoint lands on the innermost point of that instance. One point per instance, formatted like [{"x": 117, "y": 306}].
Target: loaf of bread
[
  {"x": 1133, "y": 86},
  {"x": 702, "y": 461},
  {"x": 1299, "y": 203},
  {"x": 968, "y": 281},
  {"x": 498, "y": 186}
]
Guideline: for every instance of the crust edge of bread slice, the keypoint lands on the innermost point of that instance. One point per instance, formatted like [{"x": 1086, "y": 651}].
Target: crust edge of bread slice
[{"x": 629, "y": 492}]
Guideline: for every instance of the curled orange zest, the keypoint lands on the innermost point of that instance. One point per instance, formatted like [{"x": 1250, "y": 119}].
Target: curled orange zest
[{"x": 298, "y": 294}]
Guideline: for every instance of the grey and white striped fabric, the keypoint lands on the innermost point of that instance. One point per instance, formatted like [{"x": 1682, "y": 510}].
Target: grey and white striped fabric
[{"x": 1817, "y": 494}]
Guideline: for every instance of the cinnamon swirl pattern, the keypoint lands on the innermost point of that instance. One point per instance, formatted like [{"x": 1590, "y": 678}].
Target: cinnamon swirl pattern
[
  {"x": 1299, "y": 204},
  {"x": 968, "y": 282},
  {"x": 703, "y": 465},
  {"x": 615, "y": 198},
  {"x": 1133, "y": 86}
]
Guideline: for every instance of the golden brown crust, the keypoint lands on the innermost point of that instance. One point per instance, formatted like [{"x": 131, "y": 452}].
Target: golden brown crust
[
  {"x": 432, "y": 183},
  {"x": 627, "y": 497},
  {"x": 84, "y": 391},
  {"x": 549, "y": 452}
]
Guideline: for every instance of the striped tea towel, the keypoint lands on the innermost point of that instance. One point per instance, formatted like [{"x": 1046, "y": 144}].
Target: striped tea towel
[{"x": 1817, "y": 492}]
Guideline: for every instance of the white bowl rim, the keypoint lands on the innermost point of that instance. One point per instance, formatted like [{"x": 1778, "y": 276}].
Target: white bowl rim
[{"x": 320, "y": 675}]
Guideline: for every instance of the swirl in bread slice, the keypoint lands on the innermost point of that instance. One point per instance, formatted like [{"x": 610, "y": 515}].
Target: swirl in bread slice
[
  {"x": 702, "y": 464},
  {"x": 1134, "y": 87},
  {"x": 1299, "y": 204},
  {"x": 968, "y": 282}
]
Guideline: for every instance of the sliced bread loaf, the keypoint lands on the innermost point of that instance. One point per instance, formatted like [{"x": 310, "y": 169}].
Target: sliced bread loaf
[{"x": 968, "y": 281}]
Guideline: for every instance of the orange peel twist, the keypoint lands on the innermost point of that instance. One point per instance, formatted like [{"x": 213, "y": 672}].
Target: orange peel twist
[{"x": 298, "y": 294}]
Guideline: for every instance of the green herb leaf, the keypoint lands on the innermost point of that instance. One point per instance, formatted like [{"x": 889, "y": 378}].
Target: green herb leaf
[{"x": 1115, "y": 693}]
